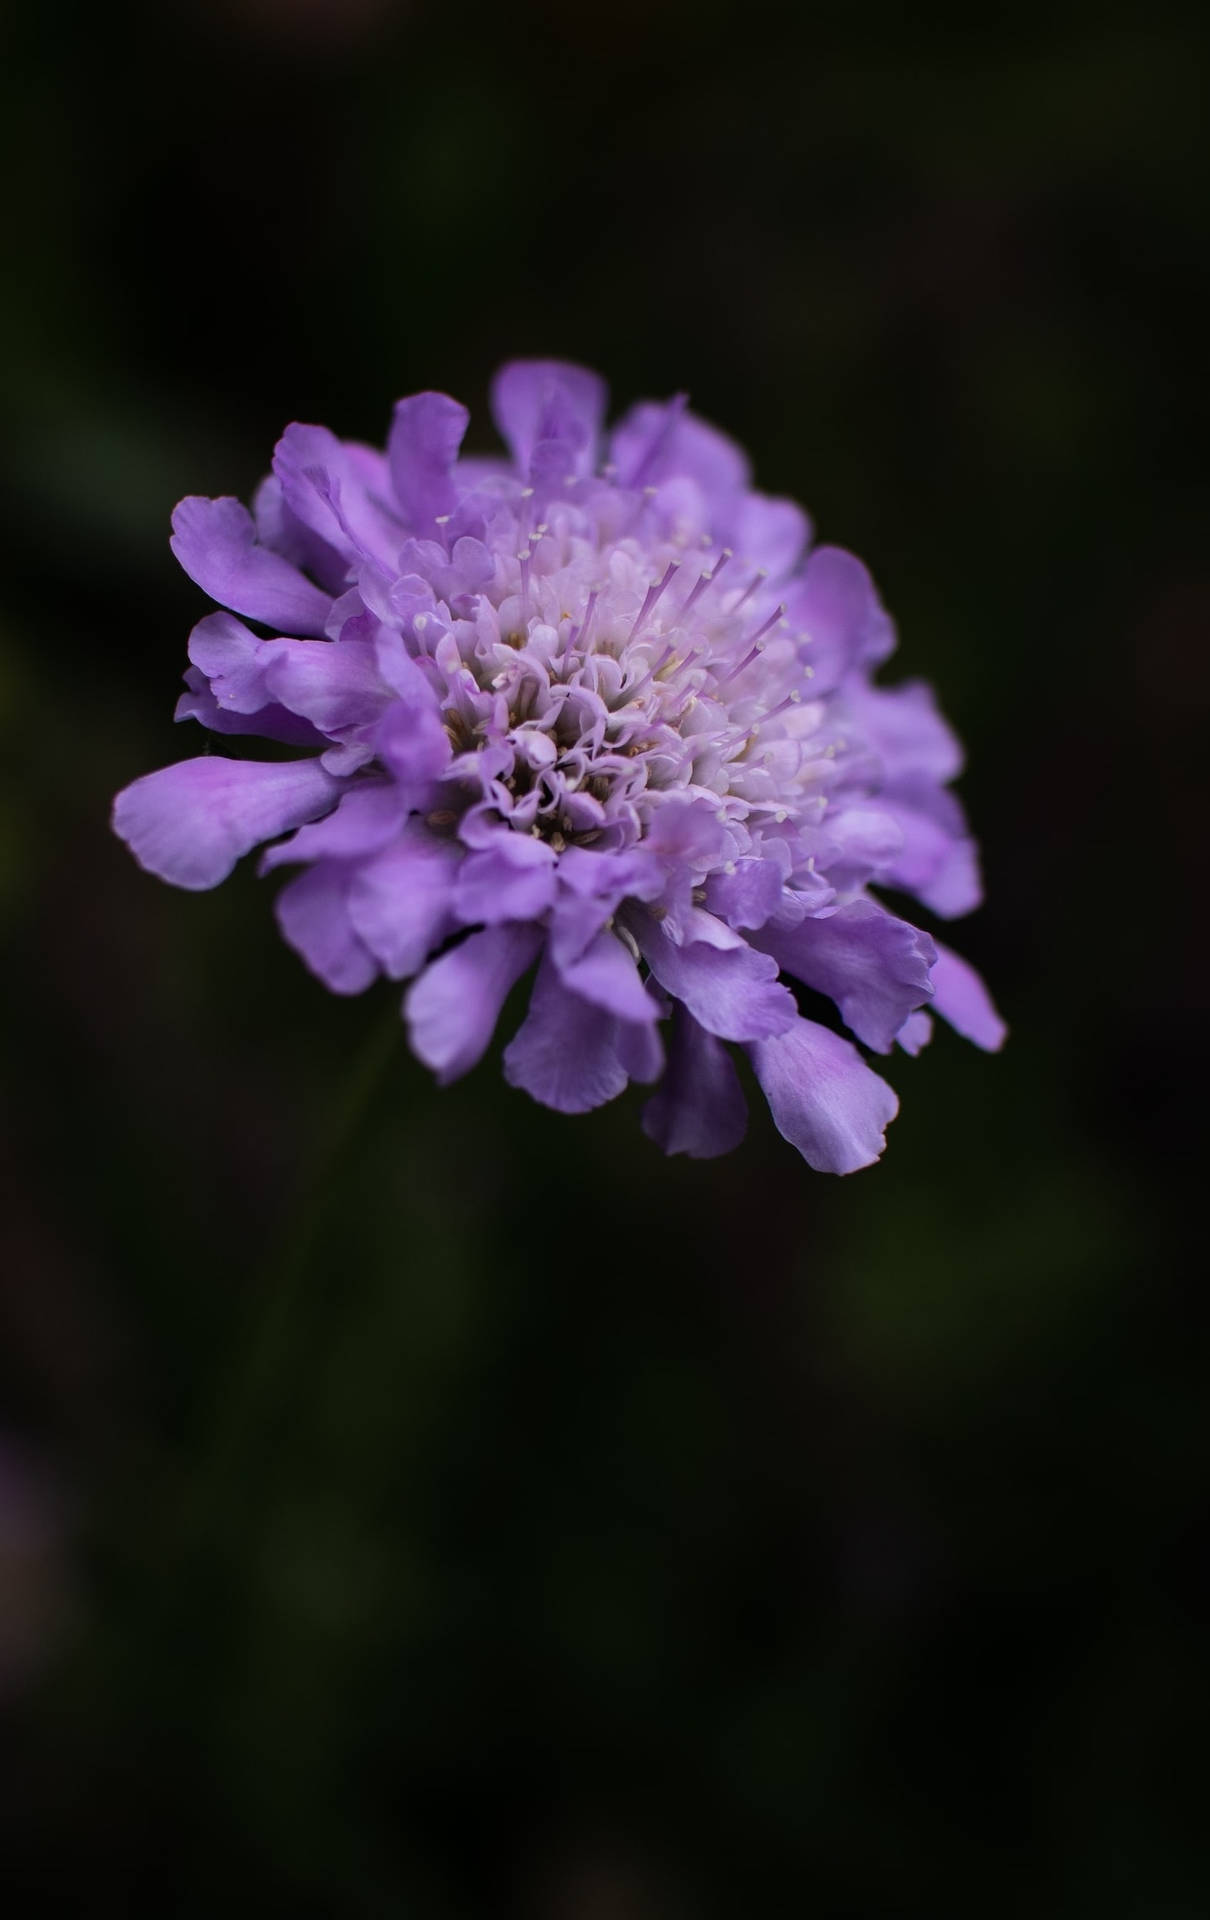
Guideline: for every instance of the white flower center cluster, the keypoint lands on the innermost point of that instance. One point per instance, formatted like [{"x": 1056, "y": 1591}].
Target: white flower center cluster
[{"x": 597, "y": 676}]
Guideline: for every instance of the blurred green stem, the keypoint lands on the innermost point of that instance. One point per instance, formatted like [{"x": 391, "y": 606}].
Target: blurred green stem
[{"x": 245, "y": 1402}]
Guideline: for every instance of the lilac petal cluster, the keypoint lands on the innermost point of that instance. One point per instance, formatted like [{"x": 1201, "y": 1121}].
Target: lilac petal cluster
[{"x": 598, "y": 710}]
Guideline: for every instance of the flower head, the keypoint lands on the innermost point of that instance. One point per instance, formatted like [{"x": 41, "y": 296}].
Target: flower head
[{"x": 591, "y": 710}]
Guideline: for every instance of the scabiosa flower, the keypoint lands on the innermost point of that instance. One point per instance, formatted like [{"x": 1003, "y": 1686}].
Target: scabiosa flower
[{"x": 604, "y": 720}]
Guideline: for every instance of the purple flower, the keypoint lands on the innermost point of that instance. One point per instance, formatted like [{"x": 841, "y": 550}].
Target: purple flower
[{"x": 614, "y": 720}]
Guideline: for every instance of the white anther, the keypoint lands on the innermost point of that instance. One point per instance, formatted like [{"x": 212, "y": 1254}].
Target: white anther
[
  {"x": 781, "y": 816},
  {"x": 443, "y": 519},
  {"x": 728, "y": 866},
  {"x": 795, "y": 696},
  {"x": 527, "y": 493}
]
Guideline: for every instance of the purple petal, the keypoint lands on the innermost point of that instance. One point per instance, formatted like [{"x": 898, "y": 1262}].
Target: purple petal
[
  {"x": 233, "y": 661},
  {"x": 567, "y": 1053},
  {"x": 875, "y": 968},
  {"x": 452, "y": 1009},
  {"x": 215, "y": 542},
  {"x": 837, "y": 607},
  {"x": 734, "y": 993},
  {"x": 332, "y": 683},
  {"x": 513, "y": 879},
  {"x": 190, "y": 823},
  {"x": 823, "y": 1097},
  {"x": 606, "y": 974},
  {"x": 401, "y": 900},
  {"x": 412, "y": 741},
  {"x": 426, "y": 434},
  {"x": 907, "y": 733},
  {"x": 915, "y": 1033},
  {"x": 312, "y": 913},
  {"x": 769, "y": 533},
  {"x": 660, "y": 441},
  {"x": 367, "y": 817},
  {"x": 748, "y": 895},
  {"x": 323, "y": 487},
  {"x": 699, "y": 1106},
  {"x": 552, "y": 402},
  {"x": 939, "y": 861},
  {"x": 268, "y": 723},
  {"x": 961, "y": 998}
]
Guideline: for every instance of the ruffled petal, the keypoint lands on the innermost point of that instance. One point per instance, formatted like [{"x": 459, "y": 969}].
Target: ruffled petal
[
  {"x": 961, "y": 998},
  {"x": 190, "y": 823},
  {"x": 823, "y": 1097},
  {"x": 452, "y": 1009},
  {"x": 325, "y": 488},
  {"x": 312, "y": 913},
  {"x": 699, "y": 1106},
  {"x": 569, "y": 1054},
  {"x": 215, "y": 542},
  {"x": 401, "y": 900},
  {"x": 875, "y": 967},
  {"x": 426, "y": 434},
  {"x": 551, "y": 403},
  {"x": 734, "y": 993}
]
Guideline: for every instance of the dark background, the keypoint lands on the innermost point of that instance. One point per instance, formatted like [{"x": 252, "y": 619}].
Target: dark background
[{"x": 417, "y": 1503}]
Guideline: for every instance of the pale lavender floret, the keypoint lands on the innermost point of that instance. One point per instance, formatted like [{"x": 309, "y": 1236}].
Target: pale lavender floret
[{"x": 588, "y": 706}]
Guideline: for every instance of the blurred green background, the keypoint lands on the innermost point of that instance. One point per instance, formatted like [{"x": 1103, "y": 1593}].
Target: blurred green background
[{"x": 416, "y": 1503}]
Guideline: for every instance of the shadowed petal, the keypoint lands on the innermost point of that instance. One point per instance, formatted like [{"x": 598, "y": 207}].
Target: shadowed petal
[
  {"x": 313, "y": 915},
  {"x": 401, "y": 900},
  {"x": 452, "y": 1009},
  {"x": 699, "y": 1106},
  {"x": 567, "y": 1052}
]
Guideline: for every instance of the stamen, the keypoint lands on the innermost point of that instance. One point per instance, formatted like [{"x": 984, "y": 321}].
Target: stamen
[
  {"x": 579, "y": 635},
  {"x": 707, "y": 580},
  {"x": 648, "y": 606},
  {"x": 525, "y": 556},
  {"x": 758, "y": 580},
  {"x": 778, "y": 615}
]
